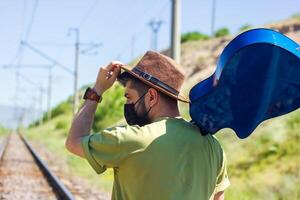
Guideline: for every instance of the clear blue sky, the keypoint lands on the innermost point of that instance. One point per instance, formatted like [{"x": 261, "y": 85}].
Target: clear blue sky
[{"x": 112, "y": 23}]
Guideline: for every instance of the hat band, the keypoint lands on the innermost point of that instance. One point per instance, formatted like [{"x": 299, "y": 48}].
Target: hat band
[{"x": 155, "y": 81}]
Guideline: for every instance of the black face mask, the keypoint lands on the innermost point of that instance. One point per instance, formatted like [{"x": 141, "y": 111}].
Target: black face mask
[{"x": 132, "y": 116}]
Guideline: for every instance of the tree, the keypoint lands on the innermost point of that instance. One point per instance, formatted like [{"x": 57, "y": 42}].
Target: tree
[
  {"x": 190, "y": 36},
  {"x": 245, "y": 27},
  {"x": 222, "y": 32}
]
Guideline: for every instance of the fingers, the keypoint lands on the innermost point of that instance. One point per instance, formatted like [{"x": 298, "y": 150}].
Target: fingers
[
  {"x": 113, "y": 69},
  {"x": 113, "y": 73},
  {"x": 116, "y": 72}
]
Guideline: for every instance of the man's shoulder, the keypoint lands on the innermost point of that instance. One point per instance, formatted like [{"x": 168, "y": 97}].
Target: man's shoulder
[{"x": 131, "y": 133}]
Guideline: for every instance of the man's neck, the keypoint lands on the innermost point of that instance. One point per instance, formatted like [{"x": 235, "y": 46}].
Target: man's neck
[{"x": 171, "y": 114}]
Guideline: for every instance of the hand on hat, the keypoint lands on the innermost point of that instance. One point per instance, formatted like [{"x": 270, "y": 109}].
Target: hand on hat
[{"x": 107, "y": 76}]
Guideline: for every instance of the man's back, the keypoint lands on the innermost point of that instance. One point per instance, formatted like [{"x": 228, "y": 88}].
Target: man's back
[{"x": 168, "y": 159}]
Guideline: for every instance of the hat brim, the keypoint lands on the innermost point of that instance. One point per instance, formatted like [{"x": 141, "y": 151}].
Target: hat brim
[{"x": 179, "y": 97}]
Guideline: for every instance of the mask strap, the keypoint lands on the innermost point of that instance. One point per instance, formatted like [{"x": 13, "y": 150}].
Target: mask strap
[
  {"x": 141, "y": 97},
  {"x": 148, "y": 111}
]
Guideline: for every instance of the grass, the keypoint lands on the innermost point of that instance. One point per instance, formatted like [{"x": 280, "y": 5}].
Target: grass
[
  {"x": 266, "y": 165},
  {"x": 3, "y": 131}
]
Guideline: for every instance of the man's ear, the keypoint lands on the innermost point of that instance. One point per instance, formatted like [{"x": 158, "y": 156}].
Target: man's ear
[{"x": 153, "y": 97}]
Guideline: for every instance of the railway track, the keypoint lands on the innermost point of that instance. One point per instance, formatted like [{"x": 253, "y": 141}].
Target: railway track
[{"x": 23, "y": 175}]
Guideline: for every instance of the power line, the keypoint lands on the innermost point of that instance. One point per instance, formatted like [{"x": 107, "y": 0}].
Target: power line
[
  {"x": 31, "y": 20},
  {"x": 47, "y": 57},
  {"x": 19, "y": 54},
  {"x": 116, "y": 20},
  {"x": 26, "y": 79},
  {"x": 143, "y": 31},
  {"x": 49, "y": 91},
  {"x": 163, "y": 9},
  {"x": 77, "y": 41},
  {"x": 145, "y": 13},
  {"x": 26, "y": 66},
  {"x": 58, "y": 44},
  {"x": 17, "y": 74},
  {"x": 90, "y": 49},
  {"x": 88, "y": 13},
  {"x": 63, "y": 44},
  {"x": 21, "y": 34}
]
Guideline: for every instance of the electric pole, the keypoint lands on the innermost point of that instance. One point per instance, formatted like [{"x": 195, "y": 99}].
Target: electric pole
[
  {"x": 88, "y": 50},
  {"x": 41, "y": 106},
  {"x": 175, "y": 30},
  {"x": 155, "y": 26},
  {"x": 16, "y": 109},
  {"x": 49, "y": 93},
  {"x": 49, "y": 67},
  {"x": 75, "y": 99}
]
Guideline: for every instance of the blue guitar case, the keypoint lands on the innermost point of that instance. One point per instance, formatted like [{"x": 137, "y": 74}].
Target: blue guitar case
[{"x": 257, "y": 78}]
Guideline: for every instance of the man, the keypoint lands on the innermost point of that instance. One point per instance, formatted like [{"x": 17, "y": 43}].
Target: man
[{"x": 159, "y": 155}]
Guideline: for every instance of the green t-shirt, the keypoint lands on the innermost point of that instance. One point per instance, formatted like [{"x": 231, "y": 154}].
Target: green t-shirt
[{"x": 165, "y": 160}]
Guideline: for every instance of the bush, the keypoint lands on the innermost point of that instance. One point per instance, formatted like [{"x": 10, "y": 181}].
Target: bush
[
  {"x": 62, "y": 108},
  {"x": 222, "y": 32},
  {"x": 245, "y": 27},
  {"x": 111, "y": 109},
  {"x": 61, "y": 125},
  {"x": 191, "y": 36},
  {"x": 293, "y": 124}
]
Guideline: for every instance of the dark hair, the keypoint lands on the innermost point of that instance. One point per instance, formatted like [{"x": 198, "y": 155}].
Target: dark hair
[{"x": 141, "y": 87}]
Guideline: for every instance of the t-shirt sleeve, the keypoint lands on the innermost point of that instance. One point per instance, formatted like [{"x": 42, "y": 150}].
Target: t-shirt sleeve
[
  {"x": 112, "y": 146},
  {"x": 222, "y": 179}
]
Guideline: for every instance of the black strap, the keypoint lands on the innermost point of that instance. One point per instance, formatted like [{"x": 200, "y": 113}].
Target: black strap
[{"x": 155, "y": 81}]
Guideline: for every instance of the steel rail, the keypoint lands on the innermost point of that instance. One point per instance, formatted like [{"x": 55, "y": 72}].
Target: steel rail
[
  {"x": 54, "y": 181},
  {"x": 3, "y": 146}
]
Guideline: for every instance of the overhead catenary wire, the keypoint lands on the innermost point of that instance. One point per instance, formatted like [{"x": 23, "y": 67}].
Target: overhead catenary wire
[
  {"x": 56, "y": 44},
  {"x": 29, "y": 27},
  {"x": 116, "y": 23},
  {"x": 138, "y": 35},
  {"x": 26, "y": 79},
  {"x": 88, "y": 13},
  {"x": 47, "y": 57},
  {"x": 23, "y": 20},
  {"x": 49, "y": 91},
  {"x": 19, "y": 54}
]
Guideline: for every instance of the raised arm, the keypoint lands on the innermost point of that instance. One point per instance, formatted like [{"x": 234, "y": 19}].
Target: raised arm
[{"x": 83, "y": 120}]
